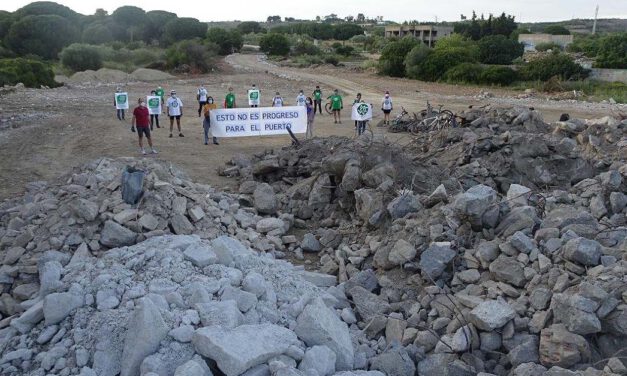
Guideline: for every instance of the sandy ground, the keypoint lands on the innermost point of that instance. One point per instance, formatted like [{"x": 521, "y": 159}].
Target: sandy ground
[{"x": 44, "y": 133}]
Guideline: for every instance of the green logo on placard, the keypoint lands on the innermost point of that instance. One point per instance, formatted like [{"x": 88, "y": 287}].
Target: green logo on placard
[
  {"x": 362, "y": 109},
  {"x": 122, "y": 98},
  {"x": 153, "y": 102},
  {"x": 254, "y": 95}
]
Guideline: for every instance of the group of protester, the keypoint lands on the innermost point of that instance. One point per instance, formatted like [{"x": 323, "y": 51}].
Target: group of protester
[{"x": 143, "y": 121}]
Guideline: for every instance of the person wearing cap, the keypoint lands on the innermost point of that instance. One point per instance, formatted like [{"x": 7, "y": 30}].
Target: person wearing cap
[
  {"x": 206, "y": 123},
  {"x": 301, "y": 99},
  {"x": 386, "y": 107},
  {"x": 161, "y": 93},
  {"x": 119, "y": 111},
  {"x": 175, "y": 111},
  {"x": 141, "y": 120},
  {"x": 336, "y": 106},
  {"x": 277, "y": 101},
  {"x": 201, "y": 96},
  {"x": 229, "y": 100},
  {"x": 317, "y": 98}
]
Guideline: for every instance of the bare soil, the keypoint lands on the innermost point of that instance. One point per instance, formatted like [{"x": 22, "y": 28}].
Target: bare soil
[{"x": 44, "y": 133}]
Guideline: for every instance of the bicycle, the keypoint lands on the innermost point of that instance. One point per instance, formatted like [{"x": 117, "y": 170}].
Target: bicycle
[
  {"x": 442, "y": 119},
  {"x": 401, "y": 122}
]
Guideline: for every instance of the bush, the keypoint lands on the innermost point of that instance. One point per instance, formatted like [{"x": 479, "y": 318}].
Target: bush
[
  {"x": 332, "y": 59},
  {"x": 414, "y": 61},
  {"x": 44, "y": 36},
  {"x": 275, "y": 44},
  {"x": 498, "y": 49},
  {"x": 31, "y": 73},
  {"x": 305, "y": 47},
  {"x": 346, "y": 31},
  {"x": 392, "y": 60},
  {"x": 192, "y": 53},
  {"x": 559, "y": 65},
  {"x": 556, "y": 30},
  {"x": 80, "y": 57},
  {"x": 183, "y": 28},
  {"x": 97, "y": 34},
  {"x": 467, "y": 73},
  {"x": 250, "y": 27},
  {"x": 441, "y": 60},
  {"x": 344, "y": 50},
  {"x": 229, "y": 41},
  {"x": 502, "y": 76},
  {"x": 543, "y": 47},
  {"x": 613, "y": 52}
]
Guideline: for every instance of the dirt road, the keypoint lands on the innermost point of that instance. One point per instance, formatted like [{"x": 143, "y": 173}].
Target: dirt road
[{"x": 44, "y": 133}]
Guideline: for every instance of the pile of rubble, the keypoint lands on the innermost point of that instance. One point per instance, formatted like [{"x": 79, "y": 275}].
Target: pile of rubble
[
  {"x": 468, "y": 251},
  {"x": 502, "y": 249}
]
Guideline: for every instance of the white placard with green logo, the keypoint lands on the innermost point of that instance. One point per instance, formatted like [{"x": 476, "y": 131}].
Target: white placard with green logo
[
  {"x": 154, "y": 104},
  {"x": 254, "y": 97},
  {"x": 121, "y": 101},
  {"x": 361, "y": 112}
]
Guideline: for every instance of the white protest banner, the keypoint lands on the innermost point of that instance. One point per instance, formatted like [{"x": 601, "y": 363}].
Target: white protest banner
[
  {"x": 260, "y": 121},
  {"x": 254, "y": 97},
  {"x": 121, "y": 101},
  {"x": 361, "y": 112},
  {"x": 154, "y": 104}
]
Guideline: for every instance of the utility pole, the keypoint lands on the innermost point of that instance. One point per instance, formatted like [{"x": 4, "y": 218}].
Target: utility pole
[{"x": 594, "y": 25}]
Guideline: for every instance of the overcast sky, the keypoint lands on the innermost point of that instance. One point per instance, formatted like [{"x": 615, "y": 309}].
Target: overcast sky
[{"x": 396, "y": 10}]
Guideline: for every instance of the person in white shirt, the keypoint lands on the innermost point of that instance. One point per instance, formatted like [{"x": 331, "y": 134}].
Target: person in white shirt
[
  {"x": 386, "y": 107},
  {"x": 257, "y": 98},
  {"x": 277, "y": 101},
  {"x": 174, "y": 107},
  {"x": 301, "y": 99},
  {"x": 201, "y": 96}
]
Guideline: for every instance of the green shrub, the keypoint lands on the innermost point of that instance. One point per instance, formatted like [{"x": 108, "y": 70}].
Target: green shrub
[
  {"x": 80, "y": 57},
  {"x": 275, "y": 44},
  {"x": 145, "y": 56},
  {"x": 31, "y": 73},
  {"x": 229, "y": 41},
  {"x": 249, "y": 27},
  {"x": 305, "y": 47},
  {"x": 392, "y": 60},
  {"x": 613, "y": 52},
  {"x": 344, "y": 50},
  {"x": 184, "y": 28},
  {"x": 441, "y": 60},
  {"x": 502, "y": 76},
  {"x": 468, "y": 73},
  {"x": 556, "y": 30},
  {"x": 192, "y": 53},
  {"x": 498, "y": 49},
  {"x": 557, "y": 64},
  {"x": 414, "y": 61},
  {"x": 332, "y": 59},
  {"x": 543, "y": 47},
  {"x": 97, "y": 34}
]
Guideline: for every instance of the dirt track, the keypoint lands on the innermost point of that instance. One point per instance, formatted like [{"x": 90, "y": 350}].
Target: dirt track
[{"x": 68, "y": 126}]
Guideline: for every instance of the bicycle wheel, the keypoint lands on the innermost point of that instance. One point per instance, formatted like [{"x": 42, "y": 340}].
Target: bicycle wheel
[
  {"x": 327, "y": 108},
  {"x": 414, "y": 127}
]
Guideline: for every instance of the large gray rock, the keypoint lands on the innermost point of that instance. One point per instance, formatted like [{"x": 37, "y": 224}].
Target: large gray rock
[
  {"x": 114, "y": 235},
  {"x": 229, "y": 250},
  {"x": 85, "y": 209},
  {"x": 473, "y": 203},
  {"x": 351, "y": 180},
  {"x": 394, "y": 362},
  {"x": 435, "y": 259},
  {"x": 145, "y": 331},
  {"x": 368, "y": 202},
  {"x": 29, "y": 318},
  {"x": 403, "y": 205},
  {"x": 239, "y": 349},
  {"x": 509, "y": 270},
  {"x": 200, "y": 255},
  {"x": 367, "y": 304},
  {"x": 402, "y": 252},
  {"x": 321, "y": 193},
  {"x": 58, "y": 306},
  {"x": 319, "y": 358},
  {"x": 577, "y": 313},
  {"x": 518, "y": 195},
  {"x": 319, "y": 325},
  {"x": 559, "y": 347},
  {"x": 181, "y": 225},
  {"x": 310, "y": 243},
  {"x": 266, "y": 225},
  {"x": 491, "y": 314},
  {"x": 265, "y": 199},
  {"x": 224, "y": 314},
  {"x": 584, "y": 251},
  {"x": 529, "y": 369}
]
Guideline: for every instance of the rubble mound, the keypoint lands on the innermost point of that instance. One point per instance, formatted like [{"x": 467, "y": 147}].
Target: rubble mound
[{"x": 114, "y": 76}]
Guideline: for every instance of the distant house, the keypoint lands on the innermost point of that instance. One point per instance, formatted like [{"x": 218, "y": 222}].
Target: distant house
[
  {"x": 530, "y": 41},
  {"x": 428, "y": 34}
]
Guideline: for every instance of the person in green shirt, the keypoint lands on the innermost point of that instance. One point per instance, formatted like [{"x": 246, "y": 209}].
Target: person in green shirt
[
  {"x": 336, "y": 106},
  {"x": 161, "y": 93},
  {"x": 317, "y": 96},
  {"x": 229, "y": 101}
]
